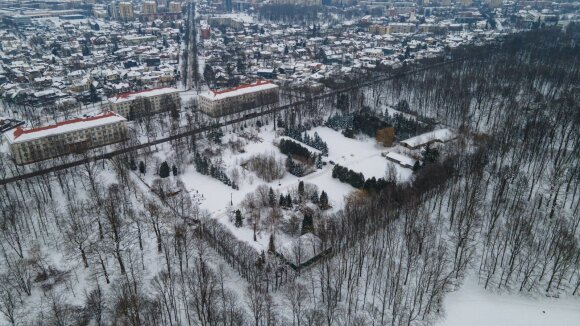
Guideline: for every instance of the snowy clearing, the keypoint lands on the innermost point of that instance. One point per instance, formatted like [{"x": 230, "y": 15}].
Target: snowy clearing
[{"x": 474, "y": 306}]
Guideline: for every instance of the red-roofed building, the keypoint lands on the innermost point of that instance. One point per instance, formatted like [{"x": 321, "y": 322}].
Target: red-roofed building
[
  {"x": 71, "y": 136},
  {"x": 145, "y": 102},
  {"x": 237, "y": 99}
]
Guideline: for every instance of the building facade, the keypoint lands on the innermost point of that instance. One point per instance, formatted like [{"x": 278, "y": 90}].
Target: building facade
[
  {"x": 148, "y": 102},
  {"x": 149, "y": 7},
  {"x": 126, "y": 11},
  {"x": 237, "y": 99},
  {"x": 30, "y": 145}
]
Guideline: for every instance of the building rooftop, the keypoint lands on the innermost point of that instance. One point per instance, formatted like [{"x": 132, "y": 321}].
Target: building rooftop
[
  {"x": 20, "y": 134},
  {"x": 260, "y": 85},
  {"x": 129, "y": 96}
]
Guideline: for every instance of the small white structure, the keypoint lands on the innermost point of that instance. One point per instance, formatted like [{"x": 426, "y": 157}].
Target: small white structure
[
  {"x": 400, "y": 159},
  {"x": 440, "y": 136}
]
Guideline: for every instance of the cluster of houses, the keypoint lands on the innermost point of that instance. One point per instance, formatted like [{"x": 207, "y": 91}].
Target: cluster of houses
[{"x": 54, "y": 60}]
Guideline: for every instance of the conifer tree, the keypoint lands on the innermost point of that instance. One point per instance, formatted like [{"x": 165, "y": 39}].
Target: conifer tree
[
  {"x": 239, "y": 219},
  {"x": 174, "y": 170},
  {"x": 272, "y": 198},
  {"x": 164, "y": 170},
  {"x": 314, "y": 198},
  {"x": 142, "y": 167},
  {"x": 323, "y": 200},
  {"x": 271, "y": 244},
  {"x": 307, "y": 224},
  {"x": 282, "y": 201}
]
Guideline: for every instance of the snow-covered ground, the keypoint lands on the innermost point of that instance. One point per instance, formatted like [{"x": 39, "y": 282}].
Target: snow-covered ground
[
  {"x": 360, "y": 155},
  {"x": 471, "y": 305}
]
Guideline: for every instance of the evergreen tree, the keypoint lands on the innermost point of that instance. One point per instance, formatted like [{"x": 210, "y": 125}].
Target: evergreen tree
[
  {"x": 282, "y": 201},
  {"x": 301, "y": 189},
  {"x": 430, "y": 155},
  {"x": 416, "y": 166},
  {"x": 93, "y": 93},
  {"x": 142, "y": 167},
  {"x": 132, "y": 165},
  {"x": 323, "y": 200},
  {"x": 164, "y": 170},
  {"x": 307, "y": 224},
  {"x": 271, "y": 244},
  {"x": 174, "y": 170},
  {"x": 314, "y": 198},
  {"x": 319, "y": 162},
  {"x": 272, "y": 197},
  {"x": 288, "y": 201},
  {"x": 239, "y": 219}
]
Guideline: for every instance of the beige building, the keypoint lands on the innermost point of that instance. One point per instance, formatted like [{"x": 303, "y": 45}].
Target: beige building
[
  {"x": 149, "y": 7},
  {"x": 494, "y": 3},
  {"x": 146, "y": 102},
  {"x": 126, "y": 11},
  {"x": 395, "y": 28},
  {"x": 299, "y": 2},
  {"x": 401, "y": 28},
  {"x": 72, "y": 136},
  {"x": 237, "y": 99},
  {"x": 175, "y": 6}
]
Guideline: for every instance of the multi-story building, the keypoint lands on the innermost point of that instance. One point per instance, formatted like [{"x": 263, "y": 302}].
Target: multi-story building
[
  {"x": 146, "y": 102},
  {"x": 402, "y": 28},
  {"x": 174, "y": 6},
  {"x": 125, "y": 11},
  {"x": 237, "y": 99},
  {"x": 393, "y": 28},
  {"x": 299, "y": 2},
  {"x": 494, "y": 3},
  {"x": 72, "y": 136},
  {"x": 149, "y": 7}
]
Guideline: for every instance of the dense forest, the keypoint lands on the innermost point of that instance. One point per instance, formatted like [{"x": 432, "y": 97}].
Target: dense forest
[{"x": 92, "y": 246}]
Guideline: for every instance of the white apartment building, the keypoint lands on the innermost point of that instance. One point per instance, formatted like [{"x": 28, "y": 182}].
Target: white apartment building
[
  {"x": 237, "y": 99},
  {"x": 146, "y": 102},
  {"x": 72, "y": 136}
]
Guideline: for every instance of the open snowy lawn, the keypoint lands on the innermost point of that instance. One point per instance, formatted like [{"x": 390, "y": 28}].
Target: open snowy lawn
[
  {"x": 360, "y": 155},
  {"x": 474, "y": 306}
]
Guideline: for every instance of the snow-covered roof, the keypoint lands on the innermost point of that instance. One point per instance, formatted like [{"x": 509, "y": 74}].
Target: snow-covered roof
[
  {"x": 260, "y": 85},
  {"x": 19, "y": 134},
  {"x": 129, "y": 96},
  {"x": 402, "y": 159},
  {"x": 441, "y": 135}
]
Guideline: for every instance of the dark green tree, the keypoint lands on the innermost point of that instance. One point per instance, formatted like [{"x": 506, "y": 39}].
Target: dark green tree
[
  {"x": 272, "y": 197},
  {"x": 174, "y": 170},
  {"x": 301, "y": 189},
  {"x": 164, "y": 170},
  {"x": 271, "y": 244},
  {"x": 239, "y": 219},
  {"x": 142, "y": 167},
  {"x": 323, "y": 201},
  {"x": 307, "y": 224}
]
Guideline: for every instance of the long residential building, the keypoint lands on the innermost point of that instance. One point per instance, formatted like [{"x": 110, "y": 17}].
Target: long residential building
[
  {"x": 30, "y": 145},
  {"x": 148, "y": 102},
  {"x": 237, "y": 99}
]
